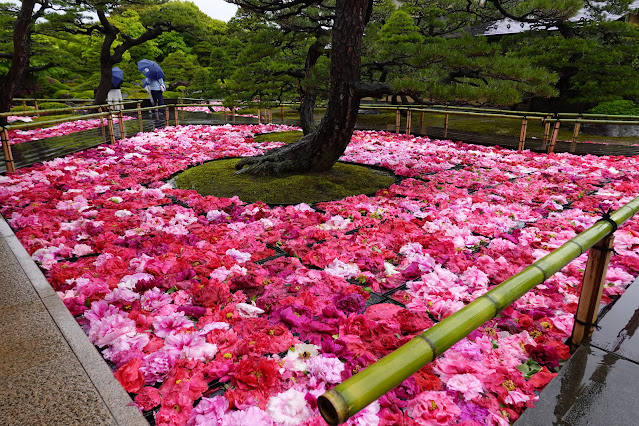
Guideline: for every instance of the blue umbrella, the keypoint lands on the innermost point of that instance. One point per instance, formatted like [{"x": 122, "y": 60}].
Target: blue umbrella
[
  {"x": 150, "y": 69},
  {"x": 117, "y": 76}
]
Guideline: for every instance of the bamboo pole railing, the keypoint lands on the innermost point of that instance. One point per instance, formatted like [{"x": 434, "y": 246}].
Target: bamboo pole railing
[{"x": 348, "y": 398}]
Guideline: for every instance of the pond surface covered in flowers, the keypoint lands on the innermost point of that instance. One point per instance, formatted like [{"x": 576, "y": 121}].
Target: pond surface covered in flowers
[{"x": 214, "y": 311}]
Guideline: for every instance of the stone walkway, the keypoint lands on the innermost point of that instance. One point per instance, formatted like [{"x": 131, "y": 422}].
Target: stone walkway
[
  {"x": 598, "y": 384},
  {"x": 50, "y": 372}
]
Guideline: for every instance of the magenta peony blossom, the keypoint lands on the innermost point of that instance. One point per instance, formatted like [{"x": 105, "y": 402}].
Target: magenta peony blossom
[
  {"x": 433, "y": 408},
  {"x": 166, "y": 325},
  {"x": 209, "y": 412},
  {"x": 156, "y": 366}
]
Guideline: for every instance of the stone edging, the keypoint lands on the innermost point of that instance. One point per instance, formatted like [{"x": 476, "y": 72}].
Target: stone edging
[{"x": 116, "y": 399}]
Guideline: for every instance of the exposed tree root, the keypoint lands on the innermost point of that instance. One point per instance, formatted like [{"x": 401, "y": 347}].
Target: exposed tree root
[{"x": 289, "y": 159}]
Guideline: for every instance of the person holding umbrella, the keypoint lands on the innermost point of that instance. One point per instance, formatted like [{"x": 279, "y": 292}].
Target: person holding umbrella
[
  {"x": 154, "y": 81},
  {"x": 114, "y": 98}
]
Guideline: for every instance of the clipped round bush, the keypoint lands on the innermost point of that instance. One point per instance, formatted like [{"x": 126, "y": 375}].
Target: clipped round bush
[
  {"x": 85, "y": 94},
  {"x": 170, "y": 94},
  {"x": 619, "y": 107},
  {"x": 52, "y": 105},
  {"x": 22, "y": 108},
  {"x": 62, "y": 94}
]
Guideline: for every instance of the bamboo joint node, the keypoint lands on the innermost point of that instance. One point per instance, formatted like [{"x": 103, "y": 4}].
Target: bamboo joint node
[
  {"x": 429, "y": 343},
  {"x": 534, "y": 265}
]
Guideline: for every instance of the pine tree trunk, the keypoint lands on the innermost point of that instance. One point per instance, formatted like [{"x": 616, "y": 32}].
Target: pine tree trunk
[
  {"x": 308, "y": 94},
  {"x": 106, "y": 64},
  {"x": 319, "y": 150},
  {"x": 21, "y": 54},
  {"x": 307, "y": 111}
]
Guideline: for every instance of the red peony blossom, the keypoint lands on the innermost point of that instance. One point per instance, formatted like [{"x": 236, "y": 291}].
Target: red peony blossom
[
  {"x": 148, "y": 398},
  {"x": 130, "y": 377}
]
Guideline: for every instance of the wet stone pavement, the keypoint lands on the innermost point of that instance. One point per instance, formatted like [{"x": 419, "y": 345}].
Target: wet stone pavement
[
  {"x": 50, "y": 373},
  {"x": 599, "y": 383}
]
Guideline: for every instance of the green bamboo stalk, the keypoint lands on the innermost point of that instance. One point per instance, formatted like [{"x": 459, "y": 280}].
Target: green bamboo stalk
[{"x": 351, "y": 396}]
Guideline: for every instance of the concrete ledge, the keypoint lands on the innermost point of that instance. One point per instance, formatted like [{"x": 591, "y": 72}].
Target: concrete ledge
[{"x": 94, "y": 369}]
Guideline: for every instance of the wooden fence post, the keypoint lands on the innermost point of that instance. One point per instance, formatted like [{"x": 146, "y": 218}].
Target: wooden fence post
[
  {"x": 546, "y": 132},
  {"x": 259, "y": 116},
  {"x": 522, "y": 134},
  {"x": 35, "y": 102},
  {"x": 121, "y": 123},
  {"x": 24, "y": 105},
  {"x": 591, "y": 290},
  {"x": 140, "y": 117},
  {"x": 8, "y": 155},
  {"x": 445, "y": 125},
  {"x": 553, "y": 139},
  {"x": 270, "y": 116},
  {"x": 575, "y": 135},
  {"x": 408, "y": 119},
  {"x": 166, "y": 114},
  {"x": 102, "y": 124},
  {"x": 421, "y": 121},
  {"x": 175, "y": 112},
  {"x": 110, "y": 128},
  {"x": 397, "y": 121}
]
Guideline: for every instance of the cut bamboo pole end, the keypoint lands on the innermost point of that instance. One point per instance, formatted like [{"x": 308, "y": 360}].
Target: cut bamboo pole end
[{"x": 333, "y": 407}]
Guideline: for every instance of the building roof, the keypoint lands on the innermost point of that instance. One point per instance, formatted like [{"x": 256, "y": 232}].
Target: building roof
[{"x": 510, "y": 26}]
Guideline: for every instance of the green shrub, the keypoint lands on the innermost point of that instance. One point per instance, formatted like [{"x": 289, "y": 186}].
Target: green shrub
[
  {"x": 170, "y": 94},
  {"x": 52, "y": 105},
  {"x": 22, "y": 108},
  {"x": 85, "y": 94},
  {"x": 619, "y": 107},
  {"x": 62, "y": 94}
]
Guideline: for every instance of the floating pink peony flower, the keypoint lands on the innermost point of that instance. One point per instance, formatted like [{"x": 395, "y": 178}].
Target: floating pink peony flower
[
  {"x": 433, "y": 408},
  {"x": 469, "y": 385},
  {"x": 288, "y": 408},
  {"x": 166, "y": 325}
]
